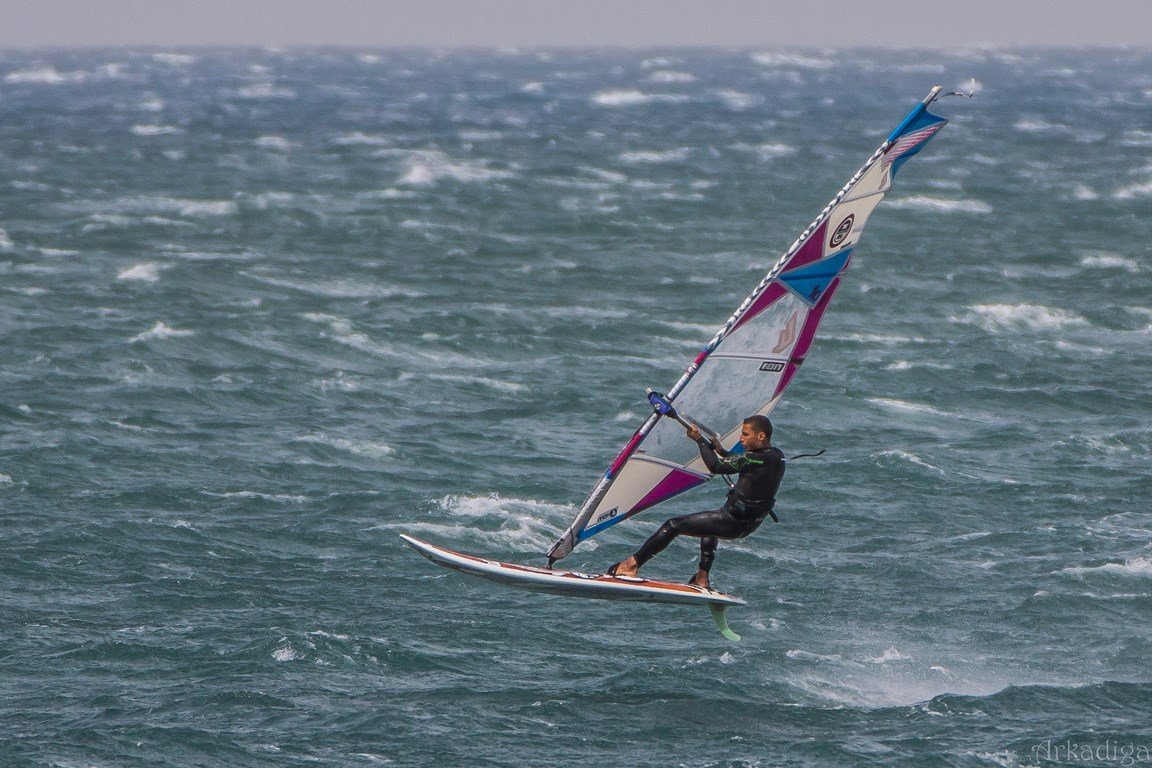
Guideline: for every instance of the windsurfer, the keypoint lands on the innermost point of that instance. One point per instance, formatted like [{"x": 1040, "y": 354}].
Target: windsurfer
[{"x": 751, "y": 499}]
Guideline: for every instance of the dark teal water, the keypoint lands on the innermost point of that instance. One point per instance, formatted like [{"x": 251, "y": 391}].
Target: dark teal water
[{"x": 262, "y": 311}]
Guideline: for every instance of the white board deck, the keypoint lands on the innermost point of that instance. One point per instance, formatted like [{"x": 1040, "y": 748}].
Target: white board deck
[{"x": 571, "y": 583}]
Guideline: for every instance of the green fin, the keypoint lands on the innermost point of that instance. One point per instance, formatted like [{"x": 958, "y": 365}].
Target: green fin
[{"x": 720, "y": 616}]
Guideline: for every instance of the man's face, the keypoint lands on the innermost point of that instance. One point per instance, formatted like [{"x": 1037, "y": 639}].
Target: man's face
[{"x": 751, "y": 439}]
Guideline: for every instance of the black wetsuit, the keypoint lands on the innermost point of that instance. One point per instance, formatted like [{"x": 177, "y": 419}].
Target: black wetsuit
[{"x": 750, "y": 500}]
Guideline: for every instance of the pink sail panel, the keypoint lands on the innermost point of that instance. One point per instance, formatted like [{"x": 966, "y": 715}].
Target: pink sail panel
[{"x": 676, "y": 481}]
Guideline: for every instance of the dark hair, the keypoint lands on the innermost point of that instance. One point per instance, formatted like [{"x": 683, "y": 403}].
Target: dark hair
[{"x": 760, "y": 423}]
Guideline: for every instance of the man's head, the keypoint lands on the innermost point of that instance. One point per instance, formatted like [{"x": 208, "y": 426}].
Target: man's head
[{"x": 756, "y": 433}]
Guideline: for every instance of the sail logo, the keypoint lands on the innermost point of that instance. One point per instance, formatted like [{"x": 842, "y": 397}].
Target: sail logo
[
  {"x": 842, "y": 231},
  {"x": 608, "y": 515},
  {"x": 772, "y": 366}
]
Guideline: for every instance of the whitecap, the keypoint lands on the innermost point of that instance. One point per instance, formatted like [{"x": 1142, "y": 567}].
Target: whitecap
[
  {"x": 809, "y": 656},
  {"x": 1084, "y": 192},
  {"x": 891, "y": 654},
  {"x": 738, "y": 101},
  {"x": 148, "y": 272},
  {"x": 907, "y": 365},
  {"x": 284, "y": 497},
  {"x": 44, "y": 76},
  {"x": 1137, "y": 566},
  {"x": 1106, "y": 260},
  {"x": 767, "y": 151},
  {"x": 337, "y": 289},
  {"x": 922, "y": 202},
  {"x": 1000, "y": 317},
  {"x": 174, "y": 59},
  {"x": 901, "y": 405},
  {"x": 499, "y": 385},
  {"x": 912, "y": 459},
  {"x": 261, "y": 91},
  {"x": 1133, "y": 191},
  {"x": 6, "y": 244},
  {"x": 278, "y": 143},
  {"x": 671, "y": 77},
  {"x": 156, "y": 130},
  {"x": 667, "y": 156},
  {"x": 284, "y": 651},
  {"x": 1137, "y": 138},
  {"x": 160, "y": 331},
  {"x": 425, "y": 167},
  {"x": 372, "y": 450},
  {"x": 633, "y": 97},
  {"x": 358, "y": 138},
  {"x": 768, "y": 59}
]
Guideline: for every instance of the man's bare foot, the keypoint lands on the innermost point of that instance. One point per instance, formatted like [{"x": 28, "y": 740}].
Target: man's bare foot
[
  {"x": 700, "y": 580},
  {"x": 628, "y": 567}
]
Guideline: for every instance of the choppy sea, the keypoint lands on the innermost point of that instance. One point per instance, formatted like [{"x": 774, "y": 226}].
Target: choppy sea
[{"x": 263, "y": 310}]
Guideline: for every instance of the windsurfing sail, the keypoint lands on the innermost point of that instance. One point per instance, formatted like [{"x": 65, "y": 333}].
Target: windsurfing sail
[{"x": 751, "y": 360}]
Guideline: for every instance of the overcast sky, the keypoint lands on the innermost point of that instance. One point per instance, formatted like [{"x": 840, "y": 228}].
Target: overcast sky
[{"x": 528, "y": 23}]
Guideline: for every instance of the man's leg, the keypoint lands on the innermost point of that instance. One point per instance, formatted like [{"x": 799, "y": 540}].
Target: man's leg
[
  {"x": 716, "y": 523},
  {"x": 707, "y": 555}
]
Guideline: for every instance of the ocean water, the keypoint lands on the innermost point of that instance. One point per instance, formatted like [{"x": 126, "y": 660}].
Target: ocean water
[{"x": 264, "y": 310}]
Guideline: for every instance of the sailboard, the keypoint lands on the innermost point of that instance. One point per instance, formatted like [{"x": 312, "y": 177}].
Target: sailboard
[{"x": 743, "y": 370}]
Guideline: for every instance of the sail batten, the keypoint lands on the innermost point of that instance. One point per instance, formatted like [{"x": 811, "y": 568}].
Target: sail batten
[{"x": 753, "y": 357}]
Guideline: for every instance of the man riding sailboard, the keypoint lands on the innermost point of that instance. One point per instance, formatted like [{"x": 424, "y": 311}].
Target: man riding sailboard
[
  {"x": 750, "y": 500},
  {"x": 744, "y": 369}
]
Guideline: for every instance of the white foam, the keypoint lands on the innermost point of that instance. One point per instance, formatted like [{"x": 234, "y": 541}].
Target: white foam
[
  {"x": 337, "y": 289},
  {"x": 1137, "y": 138},
  {"x": 6, "y": 244},
  {"x": 1000, "y": 317},
  {"x": 285, "y": 497},
  {"x": 901, "y": 405},
  {"x": 1140, "y": 567},
  {"x": 809, "y": 656},
  {"x": 372, "y": 450},
  {"x": 671, "y": 77},
  {"x": 148, "y": 272},
  {"x": 907, "y": 365},
  {"x": 427, "y": 166},
  {"x": 891, "y": 654},
  {"x": 922, "y": 202},
  {"x": 791, "y": 60},
  {"x": 151, "y": 103},
  {"x": 278, "y": 143},
  {"x": 632, "y": 97},
  {"x": 535, "y": 88},
  {"x": 44, "y": 76},
  {"x": 160, "y": 331},
  {"x": 1084, "y": 192},
  {"x": 667, "y": 156},
  {"x": 357, "y": 138},
  {"x": 284, "y": 651},
  {"x": 496, "y": 384},
  {"x": 156, "y": 130},
  {"x": 174, "y": 59},
  {"x": 912, "y": 459},
  {"x": 766, "y": 152},
  {"x": 738, "y": 101},
  {"x": 1036, "y": 125},
  {"x": 1133, "y": 191},
  {"x": 1110, "y": 261},
  {"x": 267, "y": 90}
]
